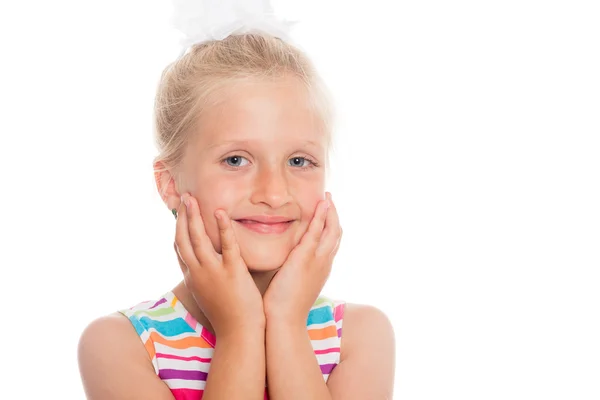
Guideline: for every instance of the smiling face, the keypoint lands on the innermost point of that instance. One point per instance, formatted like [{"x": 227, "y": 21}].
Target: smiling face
[{"x": 260, "y": 152}]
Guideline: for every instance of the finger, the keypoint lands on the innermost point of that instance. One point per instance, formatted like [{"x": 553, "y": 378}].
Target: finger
[
  {"x": 182, "y": 239},
  {"x": 337, "y": 245},
  {"x": 230, "y": 249},
  {"x": 182, "y": 265},
  {"x": 312, "y": 237},
  {"x": 199, "y": 241},
  {"x": 332, "y": 233}
]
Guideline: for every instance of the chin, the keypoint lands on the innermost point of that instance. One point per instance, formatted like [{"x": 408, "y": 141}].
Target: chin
[
  {"x": 264, "y": 253},
  {"x": 265, "y": 259}
]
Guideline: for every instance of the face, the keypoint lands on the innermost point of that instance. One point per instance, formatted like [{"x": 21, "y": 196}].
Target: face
[{"x": 259, "y": 153}]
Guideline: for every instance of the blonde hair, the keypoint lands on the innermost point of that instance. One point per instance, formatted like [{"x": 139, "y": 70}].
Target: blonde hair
[{"x": 192, "y": 83}]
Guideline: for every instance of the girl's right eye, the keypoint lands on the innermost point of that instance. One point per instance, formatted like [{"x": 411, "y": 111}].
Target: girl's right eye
[{"x": 236, "y": 160}]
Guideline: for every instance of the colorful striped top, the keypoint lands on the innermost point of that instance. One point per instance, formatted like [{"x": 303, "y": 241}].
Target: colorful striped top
[{"x": 181, "y": 349}]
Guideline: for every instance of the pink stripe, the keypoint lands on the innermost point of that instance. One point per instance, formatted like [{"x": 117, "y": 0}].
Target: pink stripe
[
  {"x": 325, "y": 351},
  {"x": 174, "y": 357},
  {"x": 338, "y": 312},
  {"x": 187, "y": 394},
  {"x": 209, "y": 337},
  {"x": 191, "y": 321}
]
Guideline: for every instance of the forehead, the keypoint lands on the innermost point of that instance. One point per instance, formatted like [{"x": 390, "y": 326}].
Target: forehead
[{"x": 274, "y": 112}]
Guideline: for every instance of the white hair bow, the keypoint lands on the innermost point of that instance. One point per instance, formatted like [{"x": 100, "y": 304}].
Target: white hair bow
[{"x": 203, "y": 20}]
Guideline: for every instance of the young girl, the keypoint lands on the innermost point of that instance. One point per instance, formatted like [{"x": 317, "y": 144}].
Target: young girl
[{"x": 243, "y": 128}]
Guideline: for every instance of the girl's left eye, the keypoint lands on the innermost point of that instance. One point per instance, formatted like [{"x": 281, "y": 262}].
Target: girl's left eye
[
  {"x": 236, "y": 162},
  {"x": 296, "y": 160}
]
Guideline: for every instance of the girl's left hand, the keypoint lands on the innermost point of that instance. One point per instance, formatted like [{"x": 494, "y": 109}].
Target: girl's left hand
[{"x": 296, "y": 286}]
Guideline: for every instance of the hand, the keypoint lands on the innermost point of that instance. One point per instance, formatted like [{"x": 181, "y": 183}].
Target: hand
[
  {"x": 221, "y": 284},
  {"x": 296, "y": 286}
]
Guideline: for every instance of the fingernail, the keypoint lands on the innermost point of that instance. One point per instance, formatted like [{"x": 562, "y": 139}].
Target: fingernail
[
  {"x": 218, "y": 215},
  {"x": 186, "y": 200}
]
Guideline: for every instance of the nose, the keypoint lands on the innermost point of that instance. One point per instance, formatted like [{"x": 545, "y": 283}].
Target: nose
[{"x": 271, "y": 187}]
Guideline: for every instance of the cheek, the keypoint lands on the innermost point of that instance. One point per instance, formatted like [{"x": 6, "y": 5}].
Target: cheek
[
  {"x": 308, "y": 204},
  {"x": 220, "y": 196},
  {"x": 217, "y": 193}
]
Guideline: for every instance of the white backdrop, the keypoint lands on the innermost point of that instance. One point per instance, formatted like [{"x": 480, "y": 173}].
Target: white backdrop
[{"x": 466, "y": 174}]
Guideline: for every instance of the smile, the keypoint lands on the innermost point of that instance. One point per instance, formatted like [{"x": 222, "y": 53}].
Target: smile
[{"x": 265, "y": 228}]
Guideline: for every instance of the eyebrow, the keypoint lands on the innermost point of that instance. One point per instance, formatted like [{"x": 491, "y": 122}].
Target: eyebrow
[{"x": 249, "y": 142}]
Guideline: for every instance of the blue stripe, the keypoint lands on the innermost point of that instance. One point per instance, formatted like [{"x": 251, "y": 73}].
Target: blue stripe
[
  {"x": 320, "y": 315},
  {"x": 172, "y": 327},
  {"x": 139, "y": 328}
]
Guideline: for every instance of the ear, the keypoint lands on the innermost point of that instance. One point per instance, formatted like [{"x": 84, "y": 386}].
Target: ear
[{"x": 166, "y": 184}]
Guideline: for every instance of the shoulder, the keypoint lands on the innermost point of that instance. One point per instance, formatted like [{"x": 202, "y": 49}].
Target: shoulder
[
  {"x": 109, "y": 333},
  {"x": 365, "y": 314},
  {"x": 108, "y": 338},
  {"x": 367, "y": 363},
  {"x": 366, "y": 328},
  {"x": 111, "y": 356}
]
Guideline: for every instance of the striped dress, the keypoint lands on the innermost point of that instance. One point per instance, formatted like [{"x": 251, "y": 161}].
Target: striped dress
[{"x": 181, "y": 349}]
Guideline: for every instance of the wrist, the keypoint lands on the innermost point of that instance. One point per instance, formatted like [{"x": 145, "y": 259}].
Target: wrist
[
  {"x": 242, "y": 333},
  {"x": 286, "y": 320},
  {"x": 286, "y": 312},
  {"x": 250, "y": 326}
]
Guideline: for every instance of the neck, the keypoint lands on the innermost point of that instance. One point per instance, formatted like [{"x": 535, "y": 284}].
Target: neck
[{"x": 262, "y": 279}]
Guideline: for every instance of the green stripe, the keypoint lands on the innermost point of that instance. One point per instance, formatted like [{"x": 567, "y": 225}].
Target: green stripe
[
  {"x": 322, "y": 300},
  {"x": 159, "y": 312}
]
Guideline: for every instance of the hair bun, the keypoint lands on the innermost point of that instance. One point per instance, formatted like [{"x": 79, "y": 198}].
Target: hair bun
[{"x": 205, "y": 20}]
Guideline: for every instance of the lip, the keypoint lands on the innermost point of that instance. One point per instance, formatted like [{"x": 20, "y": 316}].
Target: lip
[
  {"x": 265, "y": 228},
  {"x": 266, "y": 219}
]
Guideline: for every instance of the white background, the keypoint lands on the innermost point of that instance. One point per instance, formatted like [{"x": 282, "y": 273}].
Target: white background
[{"x": 466, "y": 174}]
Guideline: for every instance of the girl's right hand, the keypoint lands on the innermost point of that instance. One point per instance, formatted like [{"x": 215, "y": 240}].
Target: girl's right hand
[{"x": 221, "y": 284}]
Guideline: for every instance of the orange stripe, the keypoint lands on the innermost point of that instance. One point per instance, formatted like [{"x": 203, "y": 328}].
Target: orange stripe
[
  {"x": 192, "y": 341},
  {"x": 174, "y": 301},
  {"x": 149, "y": 345},
  {"x": 323, "y": 333}
]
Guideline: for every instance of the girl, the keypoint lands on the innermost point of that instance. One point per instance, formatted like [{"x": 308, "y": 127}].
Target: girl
[{"x": 243, "y": 128}]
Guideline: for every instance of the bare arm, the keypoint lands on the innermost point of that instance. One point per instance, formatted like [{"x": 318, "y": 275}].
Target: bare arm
[
  {"x": 225, "y": 291},
  {"x": 367, "y": 366},
  {"x": 237, "y": 370},
  {"x": 292, "y": 368},
  {"x": 112, "y": 356},
  {"x": 366, "y": 369}
]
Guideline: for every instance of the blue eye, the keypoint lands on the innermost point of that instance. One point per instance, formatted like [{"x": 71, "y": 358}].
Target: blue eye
[
  {"x": 298, "y": 162},
  {"x": 236, "y": 160}
]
